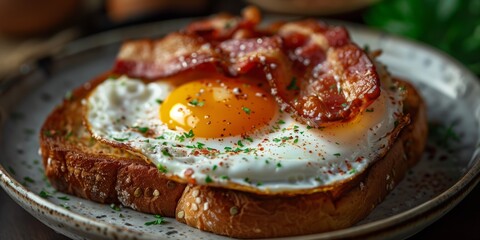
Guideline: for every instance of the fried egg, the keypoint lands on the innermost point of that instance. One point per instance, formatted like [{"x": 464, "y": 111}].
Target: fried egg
[{"x": 231, "y": 133}]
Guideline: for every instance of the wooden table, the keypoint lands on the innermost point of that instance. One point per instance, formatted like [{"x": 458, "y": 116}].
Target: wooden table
[{"x": 463, "y": 222}]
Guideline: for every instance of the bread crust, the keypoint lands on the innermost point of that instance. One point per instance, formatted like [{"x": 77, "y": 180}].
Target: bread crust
[
  {"x": 76, "y": 164},
  {"x": 107, "y": 175}
]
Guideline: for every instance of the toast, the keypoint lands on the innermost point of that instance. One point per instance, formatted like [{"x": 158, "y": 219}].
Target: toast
[
  {"x": 76, "y": 164},
  {"x": 106, "y": 172}
]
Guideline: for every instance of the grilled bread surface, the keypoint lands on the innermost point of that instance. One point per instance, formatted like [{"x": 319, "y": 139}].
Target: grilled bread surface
[{"x": 77, "y": 164}]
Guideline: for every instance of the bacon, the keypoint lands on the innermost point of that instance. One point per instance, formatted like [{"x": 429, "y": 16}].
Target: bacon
[
  {"x": 224, "y": 26},
  {"x": 337, "y": 79},
  {"x": 314, "y": 71},
  {"x": 168, "y": 56}
]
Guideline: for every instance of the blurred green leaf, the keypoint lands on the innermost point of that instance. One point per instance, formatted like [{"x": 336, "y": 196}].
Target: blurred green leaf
[{"x": 451, "y": 25}]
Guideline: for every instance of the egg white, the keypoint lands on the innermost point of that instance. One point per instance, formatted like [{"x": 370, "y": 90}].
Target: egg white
[{"x": 282, "y": 156}]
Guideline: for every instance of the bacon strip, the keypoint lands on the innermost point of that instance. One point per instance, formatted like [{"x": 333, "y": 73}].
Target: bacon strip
[
  {"x": 314, "y": 71},
  {"x": 337, "y": 79}
]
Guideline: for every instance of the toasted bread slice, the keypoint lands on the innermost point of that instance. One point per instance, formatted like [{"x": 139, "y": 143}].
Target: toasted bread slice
[
  {"x": 246, "y": 215},
  {"x": 76, "y": 164}
]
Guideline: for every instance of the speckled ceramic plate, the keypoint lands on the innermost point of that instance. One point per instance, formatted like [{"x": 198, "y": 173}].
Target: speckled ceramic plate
[{"x": 448, "y": 171}]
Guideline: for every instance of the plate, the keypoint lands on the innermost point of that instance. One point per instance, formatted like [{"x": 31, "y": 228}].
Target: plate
[{"x": 448, "y": 171}]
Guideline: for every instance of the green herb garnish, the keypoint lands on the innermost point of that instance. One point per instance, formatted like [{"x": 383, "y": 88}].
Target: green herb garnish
[
  {"x": 159, "y": 220},
  {"x": 246, "y": 110},
  {"x": 166, "y": 153},
  {"x": 120, "y": 139},
  {"x": 115, "y": 207},
  {"x": 162, "y": 168},
  {"x": 142, "y": 129},
  {"x": 293, "y": 84},
  {"x": 45, "y": 194},
  {"x": 196, "y": 103},
  {"x": 208, "y": 179}
]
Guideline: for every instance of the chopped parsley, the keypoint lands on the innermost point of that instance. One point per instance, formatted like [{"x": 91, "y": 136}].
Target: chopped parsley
[
  {"x": 293, "y": 84},
  {"x": 246, "y": 110},
  {"x": 158, "y": 220},
  {"x": 279, "y": 165},
  {"x": 352, "y": 171},
  {"x": 208, "y": 179},
  {"x": 200, "y": 145},
  {"x": 45, "y": 194},
  {"x": 366, "y": 48},
  {"x": 247, "y": 150},
  {"x": 115, "y": 207},
  {"x": 225, "y": 177},
  {"x": 28, "y": 179},
  {"x": 65, "y": 206},
  {"x": 296, "y": 140},
  {"x": 162, "y": 168},
  {"x": 190, "y": 134},
  {"x": 64, "y": 198},
  {"x": 159, "y": 101},
  {"x": 281, "y": 121},
  {"x": 166, "y": 153},
  {"x": 48, "y": 133},
  {"x": 249, "y": 139},
  {"x": 182, "y": 137},
  {"x": 240, "y": 143},
  {"x": 214, "y": 167},
  {"x": 120, "y": 139},
  {"x": 337, "y": 154},
  {"x": 196, "y": 103},
  {"x": 309, "y": 127},
  {"x": 142, "y": 129}
]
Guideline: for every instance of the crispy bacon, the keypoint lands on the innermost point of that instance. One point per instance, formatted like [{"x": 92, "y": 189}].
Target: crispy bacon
[
  {"x": 314, "y": 70},
  {"x": 164, "y": 57},
  {"x": 337, "y": 79},
  {"x": 225, "y": 26}
]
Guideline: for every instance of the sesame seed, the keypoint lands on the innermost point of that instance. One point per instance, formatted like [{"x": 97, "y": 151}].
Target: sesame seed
[
  {"x": 195, "y": 193},
  {"x": 205, "y": 206},
  {"x": 181, "y": 214},
  {"x": 138, "y": 192},
  {"x": 198, "y": 200},
  {"x": 233, "y": 211},
  {"x": 156, "y": 193},
  {"x": 194, "y": 207}
]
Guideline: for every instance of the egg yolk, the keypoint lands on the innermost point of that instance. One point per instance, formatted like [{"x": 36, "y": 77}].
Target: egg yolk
[{"x": 214, "y": 108}]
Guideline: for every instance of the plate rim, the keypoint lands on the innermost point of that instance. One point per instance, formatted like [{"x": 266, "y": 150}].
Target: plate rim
[{"x": 445, "y": 201}]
